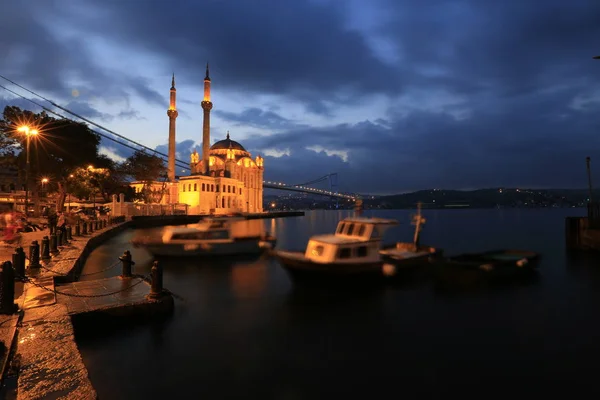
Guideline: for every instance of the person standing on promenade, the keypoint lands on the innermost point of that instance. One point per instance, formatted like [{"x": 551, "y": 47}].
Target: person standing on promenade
[{"x": 52, "y": 221}]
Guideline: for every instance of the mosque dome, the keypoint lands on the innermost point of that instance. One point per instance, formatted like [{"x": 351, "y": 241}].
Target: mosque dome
[{"x": 227, "y": 144}]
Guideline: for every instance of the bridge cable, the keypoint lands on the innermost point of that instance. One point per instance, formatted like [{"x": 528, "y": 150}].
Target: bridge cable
[
  {"x": 83, "y": 118},
  {"x": 63, "y": 117}
]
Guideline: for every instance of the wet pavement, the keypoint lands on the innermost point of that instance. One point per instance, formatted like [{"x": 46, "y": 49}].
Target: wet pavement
[
  {"x": 51, "y": 366},
  {"x": 50, "y": 363},
  {"x": 127, "y": 291}
]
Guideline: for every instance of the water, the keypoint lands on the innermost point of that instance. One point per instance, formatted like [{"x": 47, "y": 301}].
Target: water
[{"x": 245, "y": 331}]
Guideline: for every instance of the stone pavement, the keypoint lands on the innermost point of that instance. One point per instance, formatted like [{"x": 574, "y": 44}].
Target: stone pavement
[
  {"x": 7, "y": 250},
  {"x": 129, "y": 291},
  {"x": 51, "y": 366}
]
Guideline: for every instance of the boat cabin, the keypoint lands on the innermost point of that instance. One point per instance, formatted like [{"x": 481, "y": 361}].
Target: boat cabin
[
  {"x": 355, "y": 240},
  {"x": 188, "y": 234}
]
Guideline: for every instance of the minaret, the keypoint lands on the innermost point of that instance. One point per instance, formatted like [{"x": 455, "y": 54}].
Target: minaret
[
  {"x": 206, "y": 106},
  {"x": 172, "y": 113}
]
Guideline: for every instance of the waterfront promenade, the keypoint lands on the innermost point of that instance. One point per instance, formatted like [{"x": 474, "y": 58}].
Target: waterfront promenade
[{"x": 45, "y": 353}]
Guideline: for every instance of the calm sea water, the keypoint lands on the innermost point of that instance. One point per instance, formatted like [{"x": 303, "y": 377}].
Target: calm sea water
[{"x": 245, "y": 331}]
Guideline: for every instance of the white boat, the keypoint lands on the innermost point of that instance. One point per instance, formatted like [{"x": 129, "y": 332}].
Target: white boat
[
  {"x": 353, "y": 250},
  {"x": 211, "y": 236}
]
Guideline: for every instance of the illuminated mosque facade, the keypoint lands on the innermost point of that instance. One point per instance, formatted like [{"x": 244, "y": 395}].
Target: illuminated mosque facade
[{"x": 224, "y": 178}]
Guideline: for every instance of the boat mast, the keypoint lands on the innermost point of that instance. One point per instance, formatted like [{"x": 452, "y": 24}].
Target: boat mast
[
  {"x": 358, "y": 207},
  {"x": 418, "y": 220}
]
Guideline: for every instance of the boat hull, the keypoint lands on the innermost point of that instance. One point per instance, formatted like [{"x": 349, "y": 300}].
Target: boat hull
[
  {"x": 204, "y": 249},
  {"x": 408, "y": 262},
  {"x": 299, "y": 267},
  {"x": 490, "y": 267}
]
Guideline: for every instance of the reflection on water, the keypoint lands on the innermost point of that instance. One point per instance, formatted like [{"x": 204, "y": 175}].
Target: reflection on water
[
  {"x": 245, "y": 331},
  {"x": 249, "y": 280}
]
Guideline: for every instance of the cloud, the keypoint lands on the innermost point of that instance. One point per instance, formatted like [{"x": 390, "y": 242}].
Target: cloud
[
  {"x": 23, "y": 104},
  {"x": 130, "y": 114},
  {"x": 87, "y": 111},
  {"x": 525, "y": 143},
  {"x": 297, "y": 49},
  {"x": 257, "y": 118},
  {"x": 392, "y": 95}
]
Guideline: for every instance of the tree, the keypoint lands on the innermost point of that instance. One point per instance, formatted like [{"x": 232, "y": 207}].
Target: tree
[
  {"x": 61, "y": 147},
  {"x": 147, "y": 169}
]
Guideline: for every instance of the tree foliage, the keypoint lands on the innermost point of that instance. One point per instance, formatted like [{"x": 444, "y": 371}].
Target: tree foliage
[
  {"x": 147, "y": 169},
  {"x": 62, "y": 148}
]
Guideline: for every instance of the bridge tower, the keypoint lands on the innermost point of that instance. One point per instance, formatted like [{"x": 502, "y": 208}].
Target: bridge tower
[
  {"x": 333, "y": 184},
  {"x": 207, "y": 105},
  {"x": 172, "y": 114}
]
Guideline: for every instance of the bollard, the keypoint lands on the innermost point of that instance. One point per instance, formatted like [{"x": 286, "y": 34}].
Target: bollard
[
  {"x": 156, "y": 286},
  {"x": 19, "y": 262},
  {"x": 69, "y": 232},
  {"x": 34, "y": 255},
  {"x": 59, "y": 242},
  {"x": 53, "y": 244},
  {"x": 84, "y": 228},
  {"x": 7, "y": 289},
  {"x": 77, "y": 229},
  {"x": 45, "y": 248},
  {"x": 63, "y": 234},
  {"x": 127, "y": 264}
]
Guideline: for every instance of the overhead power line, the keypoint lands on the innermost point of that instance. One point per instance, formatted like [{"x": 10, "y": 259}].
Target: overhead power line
[{"x": 86, "y": 120}]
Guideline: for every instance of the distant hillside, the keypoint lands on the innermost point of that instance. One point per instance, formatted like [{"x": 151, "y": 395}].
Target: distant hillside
[{"x": 486, "y": 198}]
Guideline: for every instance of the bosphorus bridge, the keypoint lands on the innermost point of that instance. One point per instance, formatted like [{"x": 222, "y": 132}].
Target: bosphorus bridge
[{"x": 111, "y": 136}]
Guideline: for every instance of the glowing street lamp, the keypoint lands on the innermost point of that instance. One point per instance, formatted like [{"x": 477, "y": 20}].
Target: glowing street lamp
[
  {"x": 28, "y": 133},
  {"x": 69, "y": 194}
]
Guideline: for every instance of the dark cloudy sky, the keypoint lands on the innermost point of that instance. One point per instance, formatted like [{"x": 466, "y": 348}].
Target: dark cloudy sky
[{"x": 393, "y": 95}]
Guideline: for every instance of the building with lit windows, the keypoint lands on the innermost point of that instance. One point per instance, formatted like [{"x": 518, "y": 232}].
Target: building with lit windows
[{"x": 224, "y": 177}]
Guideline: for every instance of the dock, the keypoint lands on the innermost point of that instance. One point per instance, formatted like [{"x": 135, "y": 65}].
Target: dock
[
  {"x": 583, "y": 233},
  {"x": 50, "y": 363}
]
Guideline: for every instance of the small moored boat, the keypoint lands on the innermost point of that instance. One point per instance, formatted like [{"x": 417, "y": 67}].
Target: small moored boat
[
  {"x": 405, "y": 256},
  {"x": 353, "y": 250},
  {"x": 211, "y": 236},
  {"x": 496, "y": 259},
  {"x": 490, "y": 266}
]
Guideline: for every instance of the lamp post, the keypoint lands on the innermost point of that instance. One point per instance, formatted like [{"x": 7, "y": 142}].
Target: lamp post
[
  {"x": 28, "y": 133},
  {"x": 69, "y": 195},
  {"x": 596, "y": 58},
  {"x": 44, "y": 183},
  {"x": 91, "y": 169}
]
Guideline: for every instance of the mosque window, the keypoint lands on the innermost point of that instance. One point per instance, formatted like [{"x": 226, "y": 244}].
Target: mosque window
[
  {"x": 183, "y": 187},
  {"x": 212, "y": 188},
  {"x": 195, "y": 187},
  {"x": 203, "y": 187},
  {"x": 223, "y": 202},
  {"x": 217, "y": 187}
]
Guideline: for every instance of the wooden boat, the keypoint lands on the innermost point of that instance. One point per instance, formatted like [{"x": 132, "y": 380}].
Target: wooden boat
[
  {"x": 353, "y": 250},
  {"x": 405, "y": 256},
  {"x": 491, "y": 266},
  {"x": 490, "y": 260},
  {"x": 210, "y": 237}
]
